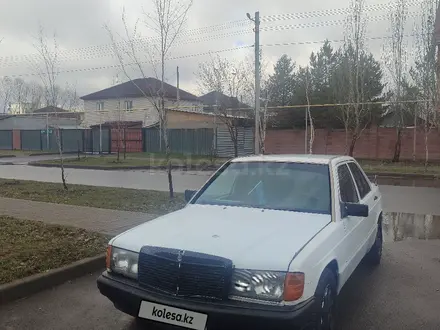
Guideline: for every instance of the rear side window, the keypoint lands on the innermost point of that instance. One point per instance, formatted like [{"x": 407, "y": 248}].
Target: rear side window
[
  {"x": 362, "y": 183},
  {"x": 347, "y": 188}
]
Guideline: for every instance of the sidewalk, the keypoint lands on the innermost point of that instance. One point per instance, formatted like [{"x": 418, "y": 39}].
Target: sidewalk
[{"x": 110, "y": 222}]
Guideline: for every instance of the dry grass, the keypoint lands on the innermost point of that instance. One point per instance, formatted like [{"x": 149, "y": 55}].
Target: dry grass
[
  {"x": 32, "y": 247},
  {"x": 376, "y": 167},
  {"x": 155, "y": 202}
]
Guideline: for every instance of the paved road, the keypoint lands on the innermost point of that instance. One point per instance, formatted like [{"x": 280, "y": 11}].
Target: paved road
[
  {"x": 139, "y": 179},
  {"x": 402, "y": 294},
  {"x": 396, "y": 198}
]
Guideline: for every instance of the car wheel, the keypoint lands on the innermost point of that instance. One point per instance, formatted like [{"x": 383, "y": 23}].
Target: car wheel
[
  {"x": 374, "y": 256},
  {"x": 326, "y": 301}
]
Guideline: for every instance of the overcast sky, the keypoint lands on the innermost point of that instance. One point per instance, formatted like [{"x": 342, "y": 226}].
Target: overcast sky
[{"x": 82, "y": 38}]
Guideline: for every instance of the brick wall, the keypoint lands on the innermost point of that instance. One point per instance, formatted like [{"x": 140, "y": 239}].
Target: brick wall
[{"x": 375, "y": 143}]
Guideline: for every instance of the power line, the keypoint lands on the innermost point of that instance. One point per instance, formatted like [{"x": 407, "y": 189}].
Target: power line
[
  {"x": 282, "y": 44},
  {"x": 104, "y": 67},
  {"x": 109, "y": 47},
  {"x": 320, "y": 24},
  {"x": 332, "y": 12},
  {"x": 334, "y": 40},
  {"x": 111, "y": 53},
  {"x": 178, "y": 108}
]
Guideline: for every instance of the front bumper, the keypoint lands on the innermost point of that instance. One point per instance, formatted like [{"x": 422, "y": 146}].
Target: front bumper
[{"x": 127, "y": 296}]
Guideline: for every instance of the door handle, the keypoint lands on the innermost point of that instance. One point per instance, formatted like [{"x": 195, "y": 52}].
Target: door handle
[{"x": 375, "y": 198}]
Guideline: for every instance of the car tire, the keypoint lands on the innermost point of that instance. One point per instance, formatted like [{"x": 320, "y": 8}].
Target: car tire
[
  {"x": 374, "y": 256},
  {"x": 325, "y": 296}
]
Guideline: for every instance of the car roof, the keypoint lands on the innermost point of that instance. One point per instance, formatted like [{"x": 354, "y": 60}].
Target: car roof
[{"x": 300, "y": 158}]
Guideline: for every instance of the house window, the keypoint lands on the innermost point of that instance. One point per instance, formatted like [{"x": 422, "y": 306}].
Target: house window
[
  {"x": 99, "y": 106},
  {"x": 128, "y": 105}
]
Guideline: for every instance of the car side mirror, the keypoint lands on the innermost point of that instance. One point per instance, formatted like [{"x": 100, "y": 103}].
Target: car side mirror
[
  {"x": 189, "y": 194},
  {"x": 354, "y": 210}
]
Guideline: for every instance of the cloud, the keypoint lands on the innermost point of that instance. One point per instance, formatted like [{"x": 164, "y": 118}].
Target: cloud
[{"x": 79, "y": 24}]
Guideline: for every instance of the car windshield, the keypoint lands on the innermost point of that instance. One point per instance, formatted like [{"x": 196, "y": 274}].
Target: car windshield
[{"x": 298, "y": 187}]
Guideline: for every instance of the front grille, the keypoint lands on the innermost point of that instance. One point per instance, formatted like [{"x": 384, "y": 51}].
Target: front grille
[{"x": 192, "y": 274}]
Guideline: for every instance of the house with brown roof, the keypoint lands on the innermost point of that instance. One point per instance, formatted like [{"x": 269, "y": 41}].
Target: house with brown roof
[{"x": 133, "y": 101}]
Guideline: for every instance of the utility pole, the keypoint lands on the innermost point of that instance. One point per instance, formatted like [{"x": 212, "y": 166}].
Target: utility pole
[
  {"x": 178, "y": 90},
  {"x": 47, "y": 131},
  {"x": 256, "y": 20}
]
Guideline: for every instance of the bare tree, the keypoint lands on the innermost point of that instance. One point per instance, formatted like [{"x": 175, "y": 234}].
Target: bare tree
[
  {"x": 6, "y": 94},
  {"x": 35, "y": 98},
  {"x": 228, "y": 82},
  {"x": 426, "y": 71},
  {"x": 166, "y": 21},
  {"x": 48, "y": 71},
  {"x": 115, "y": 81},
  {"x": 68, "y": 98},
  {"x": 264, "y": 116},
  {"x": 395, "y": 61},
  {"x": 308, "y": 111},
  {"x": 354, "y": 51}
]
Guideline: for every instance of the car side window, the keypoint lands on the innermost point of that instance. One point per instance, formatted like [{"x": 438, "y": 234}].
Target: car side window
[
  {"x": 347, "y": 188},
  {"x": 361, "y": 182}
]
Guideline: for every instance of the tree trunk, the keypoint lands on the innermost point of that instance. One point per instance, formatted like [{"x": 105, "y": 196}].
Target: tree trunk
[
  {"x": 125, "y": 143},
  {"x": 352, "y": 145},
  {"x": 119, "y": 144},
  {"x": 163, "y": 118},
  {"x": 397, "y": 146},
  {"x": 426, "y": 149},
  {"x": 169, "y": 168},
  {"x": 79, "y": 151},
  {"x": 414, "y": 143},
  {"x": 235, "y": 142},
  {"x": 60, "y": 151}
]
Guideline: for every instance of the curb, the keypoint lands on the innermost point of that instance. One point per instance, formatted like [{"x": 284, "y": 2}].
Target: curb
[
  {"x": 121, "y": 168},
  {"x": 54, "y": 153},
  {"x": 7, "y": 156},
  {"x": 35, "y": 283}
]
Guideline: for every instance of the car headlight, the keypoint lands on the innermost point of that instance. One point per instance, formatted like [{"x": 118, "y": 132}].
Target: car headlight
[
  {"x": 267, "y": 285},
  {"x": 124, "y": 262}
]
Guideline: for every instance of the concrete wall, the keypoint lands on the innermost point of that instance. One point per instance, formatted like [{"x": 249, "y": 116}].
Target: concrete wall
[{"x": 182, "y": 119}]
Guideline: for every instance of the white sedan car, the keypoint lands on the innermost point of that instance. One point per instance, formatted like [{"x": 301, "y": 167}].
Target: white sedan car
[{"x": 268, "y": 242}]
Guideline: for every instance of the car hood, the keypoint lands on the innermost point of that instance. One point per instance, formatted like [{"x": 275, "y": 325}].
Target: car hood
[{"x": 251, "y": 238}]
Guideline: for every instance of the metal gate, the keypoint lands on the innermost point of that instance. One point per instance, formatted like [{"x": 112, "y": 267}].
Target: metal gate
[
  {"x": 30, "y": 140},
  {"x": 103, "y": 140},
  {"x": 6, "y": 139},
  {"x": 72, "y": 140},
  {"x": 225, "y": 144},
  {"x": 130, "y": 140},
  {"x": 182, "y": 141}
]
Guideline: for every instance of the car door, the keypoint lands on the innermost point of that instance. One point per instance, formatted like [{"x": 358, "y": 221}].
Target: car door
[
  {"x": 368, "y": 195},
  {"x": 348, "y": 194}
]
